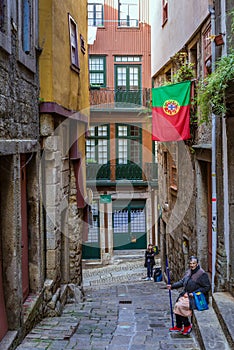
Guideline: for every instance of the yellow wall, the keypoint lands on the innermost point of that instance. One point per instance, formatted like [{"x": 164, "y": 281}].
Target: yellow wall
[{"x": 58, "y": 82}]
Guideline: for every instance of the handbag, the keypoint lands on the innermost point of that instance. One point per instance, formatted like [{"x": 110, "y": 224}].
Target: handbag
[{"x": 200, "y": 301}]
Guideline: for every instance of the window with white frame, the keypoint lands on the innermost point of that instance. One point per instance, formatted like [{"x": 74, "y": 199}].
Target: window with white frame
[
  {"x": 93, "y": 232},
  {"x": 128, "y": 12},
  {"x": 129, "y": 144},
  {"x": 97, "y": 144},
  {"x": 73, "y": 43},
  {"x": 95, "y": 13},
  {"x": 127, "y": 59}
]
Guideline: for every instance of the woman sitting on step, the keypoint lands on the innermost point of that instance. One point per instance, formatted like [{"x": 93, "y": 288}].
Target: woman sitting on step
[{"x": 194, "y": 280}]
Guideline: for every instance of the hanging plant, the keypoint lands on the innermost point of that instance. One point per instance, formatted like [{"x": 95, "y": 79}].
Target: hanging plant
[
  {"x": 211, "y": 91},
  {"x": 185, "y": 72}
]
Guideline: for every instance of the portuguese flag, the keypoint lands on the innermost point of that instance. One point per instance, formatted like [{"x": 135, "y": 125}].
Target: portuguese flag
[{"x": 171, "y": 112}]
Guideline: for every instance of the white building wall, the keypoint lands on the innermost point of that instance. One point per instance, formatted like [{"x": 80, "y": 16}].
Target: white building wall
[{"x": 167, "y": 40}]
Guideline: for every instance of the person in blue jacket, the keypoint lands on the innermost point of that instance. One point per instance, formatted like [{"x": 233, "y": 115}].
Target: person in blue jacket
[{"x": 149, "y": 262}]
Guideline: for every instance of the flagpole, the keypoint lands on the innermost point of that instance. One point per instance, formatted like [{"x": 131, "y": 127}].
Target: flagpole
[{"x": 169, "y": 282}]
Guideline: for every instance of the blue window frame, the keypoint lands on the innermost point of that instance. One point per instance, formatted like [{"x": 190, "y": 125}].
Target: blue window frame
[{"x": 26, "y": 27}]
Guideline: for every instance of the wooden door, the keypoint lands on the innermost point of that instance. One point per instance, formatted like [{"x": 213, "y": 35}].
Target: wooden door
[
  {"x": 3, "y": 316},
  {"x": 209, "y": 216},
  {"x": 24, "y": 225}
]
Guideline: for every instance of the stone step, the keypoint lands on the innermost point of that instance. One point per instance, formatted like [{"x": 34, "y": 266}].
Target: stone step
[
  {"x": 116, "y": 277},
  {"x": 223, "y": 304},
  {"x": 138, "y": 252},
  {"x": 128, "y": 254},
  {"x": 209, "y": 330},
  {"x": 94, "y": 271}
]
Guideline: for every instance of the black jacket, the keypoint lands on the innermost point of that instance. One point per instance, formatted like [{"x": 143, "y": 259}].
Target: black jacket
[
  {"x": 194, "y": 281},
  {"x": 149, "y": 256}
]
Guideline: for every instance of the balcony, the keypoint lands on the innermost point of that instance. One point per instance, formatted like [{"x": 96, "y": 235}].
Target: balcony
[
  {"x": 104, "y": 174},
  {"x": 101, "y": 98}
]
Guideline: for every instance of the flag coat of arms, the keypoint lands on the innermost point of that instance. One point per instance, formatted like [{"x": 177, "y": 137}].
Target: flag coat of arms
[{"x": 171, "y": 112}]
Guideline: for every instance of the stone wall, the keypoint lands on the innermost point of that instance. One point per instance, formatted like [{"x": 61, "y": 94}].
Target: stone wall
[{"x": 18, "y": 98}]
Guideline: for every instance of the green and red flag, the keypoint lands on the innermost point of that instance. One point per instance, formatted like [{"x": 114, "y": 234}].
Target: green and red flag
[{"x": 171, "y": 112}]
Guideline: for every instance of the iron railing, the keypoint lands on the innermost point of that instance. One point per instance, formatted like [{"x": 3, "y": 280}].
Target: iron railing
[
  {"x": 131, "y": 172},
  {"x": 119, "y": 98}
]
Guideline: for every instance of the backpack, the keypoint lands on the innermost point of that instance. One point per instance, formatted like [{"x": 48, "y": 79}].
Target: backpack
[{"x": 157, "y": 274}]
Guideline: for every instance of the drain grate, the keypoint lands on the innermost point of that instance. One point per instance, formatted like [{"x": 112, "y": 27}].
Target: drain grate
[{"x": 125, "y": 302}]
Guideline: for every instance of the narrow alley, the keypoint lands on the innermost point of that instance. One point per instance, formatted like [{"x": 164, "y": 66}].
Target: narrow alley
[{"x": 123, "y": 312}]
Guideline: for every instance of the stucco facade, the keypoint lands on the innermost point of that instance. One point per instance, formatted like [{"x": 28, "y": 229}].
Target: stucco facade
[
  {"x": 63, "y": 68},
  {"x": 195, "y": 174},
  {"x": 168, "y": 37}
]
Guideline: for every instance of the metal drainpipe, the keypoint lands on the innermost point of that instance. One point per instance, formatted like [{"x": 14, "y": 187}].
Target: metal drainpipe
[
  {"x": 225, "y": 155},
  {"x": 213, "y": 164}
]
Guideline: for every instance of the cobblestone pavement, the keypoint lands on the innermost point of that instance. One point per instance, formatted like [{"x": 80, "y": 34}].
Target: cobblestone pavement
[{"x": 131, "y": 315}]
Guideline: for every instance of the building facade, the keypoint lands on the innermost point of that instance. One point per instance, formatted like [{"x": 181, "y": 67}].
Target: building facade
[
  {"x": 224, "y": 277},
  {"x": 194, "y": 174},
  {"x": 20, "y": 253},
  {"x": 64, "y": 101},
  {"x": 121, "y": 168},
  {"x": 44, "y": 120}
]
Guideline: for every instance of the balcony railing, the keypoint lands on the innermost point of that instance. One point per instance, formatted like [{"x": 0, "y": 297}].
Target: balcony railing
[
  {"x": 106, "y": 98},
  {"x": 96, "y": 171},
  {"x": 131, "y": 172},
  {"x": 128, "y": 171}
]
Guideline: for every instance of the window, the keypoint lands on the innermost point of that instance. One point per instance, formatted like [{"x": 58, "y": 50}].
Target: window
[
  {"x": 127, "y": 58},
  {"x": 2, "y": 14},
  {"x": 26, "y": 26},
  {"x": 97, "y": 144},
  {"x": 165, "y": 11},
  {"x": 207, "y": 51},
  {"x": 95, "y": 13},
  {"x": 173, "y": 166},
  {"x": 82, "y": 44},
  {"x": 128, "y": 11},
  {"x": 168, "y": 75},
  {"x": 128, "y": 84},
  {"x": 97, "y": 70},
  {"x": 73, "y": 43},
  {"x": 6, "y": 23},
  {"x": 128, "y": 144},
  {"x": 129, "y": 222},
  {"x": 155, "y": 151},
  {"x": 93, "y": 232},
  {"x": 193, "y": 52}
]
